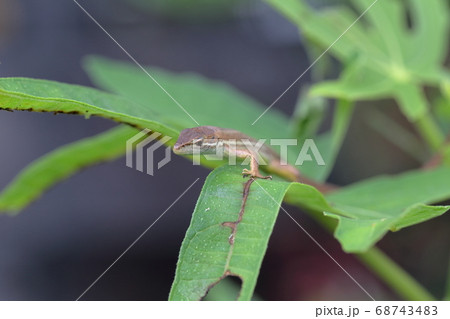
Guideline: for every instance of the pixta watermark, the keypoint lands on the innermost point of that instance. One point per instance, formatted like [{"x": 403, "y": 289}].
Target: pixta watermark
[
  {"x": 145, "y": 152},
  {"x": 232, "y": 149},
  {"x": 147, "y": 142}
]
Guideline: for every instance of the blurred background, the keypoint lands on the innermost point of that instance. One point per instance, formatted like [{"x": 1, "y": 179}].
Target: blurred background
[{"x": 59, "y": 245}]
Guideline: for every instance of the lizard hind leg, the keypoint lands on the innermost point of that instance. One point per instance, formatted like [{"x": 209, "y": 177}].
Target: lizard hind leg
[
  {"x": 254, "y": 170},
  {"x": 254, "y": 166},
  {"x": 249, "y": 173}
]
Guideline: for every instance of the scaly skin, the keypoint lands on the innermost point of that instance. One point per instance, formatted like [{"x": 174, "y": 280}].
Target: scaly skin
[{"x": 207, "y": 139}]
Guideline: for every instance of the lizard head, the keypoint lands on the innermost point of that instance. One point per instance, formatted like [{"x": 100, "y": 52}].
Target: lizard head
[{"x": 195, "y": 137}]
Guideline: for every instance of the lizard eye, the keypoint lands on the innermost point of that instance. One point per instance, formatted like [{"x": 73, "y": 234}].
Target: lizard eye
[{"x": 198, "y": 142}]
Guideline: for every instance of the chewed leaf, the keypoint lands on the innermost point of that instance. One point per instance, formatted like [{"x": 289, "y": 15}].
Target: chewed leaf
[
  {"x": 208, "y": 255},
  {"x": 141, "y": 105},
  {"x": 365, "y": 211}
]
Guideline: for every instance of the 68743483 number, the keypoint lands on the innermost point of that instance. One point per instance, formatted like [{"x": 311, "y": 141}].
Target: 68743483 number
[{"x": 406, "y": 310}]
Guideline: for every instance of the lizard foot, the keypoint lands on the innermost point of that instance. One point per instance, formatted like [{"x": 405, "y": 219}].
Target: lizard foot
[{"x": 247, "y": 173}]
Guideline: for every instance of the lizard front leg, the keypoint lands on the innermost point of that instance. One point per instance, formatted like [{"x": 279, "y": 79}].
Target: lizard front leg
[{"x": 254, "y": 165}]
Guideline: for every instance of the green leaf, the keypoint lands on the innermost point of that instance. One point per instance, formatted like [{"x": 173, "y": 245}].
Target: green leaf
[
  {"x": 206, "y": 255},
  {"x": 390, "y": 193},
  {"x": 60, "y": 164},
  {"x": 226, "y": 290},
  {"x": 387, "y": 203},
  {"x": 331, "y": 141},
  {"x": 142, "y": 109},
  {"x": 357, "y": 82},
  {"x": 366, "y": 211},
  {"x": 411, "y": 100},
  {"x": 431, "y": 34},
  {"x": 418, "y": 214},
  {"x": 214, "y": 102},
  {"x": 392, "y": 60},
  {"x": 209, "y": 102},
  {"x": 308, "y": 115},
  {"x": 324, "y": 27},
  {"x": 24, "y": 94},
  {"x": 388, "y": 22},
  {"x": 445, "y": 85}
]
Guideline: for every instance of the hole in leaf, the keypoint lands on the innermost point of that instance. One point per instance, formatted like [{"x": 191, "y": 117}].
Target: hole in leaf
[{"x": 227, "y": 289}]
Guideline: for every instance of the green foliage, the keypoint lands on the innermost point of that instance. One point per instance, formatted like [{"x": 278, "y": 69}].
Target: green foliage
[
  {"x": 206, "y": 254},
  {"x": 227, "y": 289},
  {"x": 366, "y": 211},
  {"x": 141, "y": 103},
  {"x": 203, "y": 99},
  {"x": 384, "y": 203},
  {"x": 39, "y": 176},
  {"x": 398, "y": 279},
  {"x": 308, "y": 115},
  {"x": 47, "y": 96},
  {"x": 206, "y": 100},
  {"x": 382, "y": 58},
  {"x": 330, "y": 142}
]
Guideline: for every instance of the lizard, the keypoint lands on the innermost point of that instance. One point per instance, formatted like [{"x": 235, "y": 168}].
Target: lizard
[{"x": 208, "y": 139}]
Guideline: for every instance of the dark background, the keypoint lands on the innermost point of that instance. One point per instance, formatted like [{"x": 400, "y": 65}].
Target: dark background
[{"x": 59, "y": 245}]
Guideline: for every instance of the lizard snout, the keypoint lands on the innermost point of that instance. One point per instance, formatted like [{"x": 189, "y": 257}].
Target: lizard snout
[
  {"x": 179, "y": 148},
  {"x": 176, "y": 147}
]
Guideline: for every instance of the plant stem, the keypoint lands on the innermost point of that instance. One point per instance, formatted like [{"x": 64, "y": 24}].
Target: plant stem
[
  {"x": 385, "y": 268},
  {"x": 430, "y": 132},
  {"x": 394, "y": 276},
  {"x": 409, "y": 95}
]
